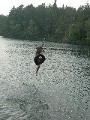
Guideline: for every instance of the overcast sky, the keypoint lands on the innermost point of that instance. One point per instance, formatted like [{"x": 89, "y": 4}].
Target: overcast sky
[{"x": 6, "y": 5}]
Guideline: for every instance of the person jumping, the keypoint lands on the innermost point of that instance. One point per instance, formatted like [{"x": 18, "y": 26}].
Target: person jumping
[{"x": 39, "y": 57}]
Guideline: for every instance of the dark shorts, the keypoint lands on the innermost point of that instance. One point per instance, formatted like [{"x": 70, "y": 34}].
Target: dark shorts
[{"x": 39, "y": 59}]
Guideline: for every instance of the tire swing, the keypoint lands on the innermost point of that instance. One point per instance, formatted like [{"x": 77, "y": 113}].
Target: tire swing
[{"x": 39, "y": 59}]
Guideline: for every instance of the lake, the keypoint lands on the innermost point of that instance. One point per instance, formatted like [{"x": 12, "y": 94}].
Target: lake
[{"x": 60, "y": 91}]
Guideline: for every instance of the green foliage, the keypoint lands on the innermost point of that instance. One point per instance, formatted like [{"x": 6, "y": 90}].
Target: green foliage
[
  {"x": 87, "y": 28},
  {"x": 79, "y": 30},
  {"x": 65, "y": 24},
  {"x": 31, "y": 31},
  {"x": 77, "y": 33},
  {"x": 2, "y": 23}
]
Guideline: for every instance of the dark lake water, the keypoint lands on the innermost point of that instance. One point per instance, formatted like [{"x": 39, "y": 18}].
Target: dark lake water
[{"x": 61, "y": 91}]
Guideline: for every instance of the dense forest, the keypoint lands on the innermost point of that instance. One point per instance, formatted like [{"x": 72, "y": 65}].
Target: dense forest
[{"x": 64, "y": 24}]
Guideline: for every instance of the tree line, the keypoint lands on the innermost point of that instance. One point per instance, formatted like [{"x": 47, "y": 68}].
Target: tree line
[{"x": 64, "y": 24}]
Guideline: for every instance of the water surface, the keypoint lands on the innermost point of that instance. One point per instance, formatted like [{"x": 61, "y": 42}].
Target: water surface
[{"x": 61, "y": 91}]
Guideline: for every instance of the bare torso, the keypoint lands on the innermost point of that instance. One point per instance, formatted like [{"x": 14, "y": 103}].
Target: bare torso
[{"x": 39, "y": 50}]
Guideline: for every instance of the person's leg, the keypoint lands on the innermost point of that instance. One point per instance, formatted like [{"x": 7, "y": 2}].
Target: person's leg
[{"x": 37, "y": 69}]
